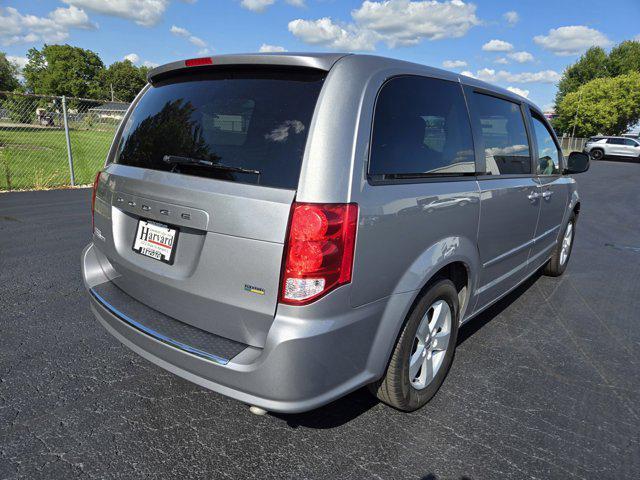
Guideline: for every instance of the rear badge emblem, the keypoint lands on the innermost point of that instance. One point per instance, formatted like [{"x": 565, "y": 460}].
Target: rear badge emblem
[{"x": 252, "y": 289}]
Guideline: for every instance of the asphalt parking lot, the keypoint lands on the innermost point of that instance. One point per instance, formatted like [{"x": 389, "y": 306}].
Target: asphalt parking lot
[{"x": 544, "y": 385}]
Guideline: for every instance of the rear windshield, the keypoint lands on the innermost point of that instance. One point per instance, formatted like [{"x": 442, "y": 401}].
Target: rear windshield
[{"x": 246, "y": 127}]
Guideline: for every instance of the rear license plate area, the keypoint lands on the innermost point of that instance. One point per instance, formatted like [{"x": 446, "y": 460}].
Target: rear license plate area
[{"x": 156, "y": 240}]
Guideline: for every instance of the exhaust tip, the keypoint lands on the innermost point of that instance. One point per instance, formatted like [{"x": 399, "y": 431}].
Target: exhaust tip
[{"x": 257, "y": 410}]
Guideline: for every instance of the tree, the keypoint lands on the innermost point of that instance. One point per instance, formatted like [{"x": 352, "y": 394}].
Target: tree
[
  {"x": 604, "y": 106},
  {"x": 125, "y": 78},
  {"x": 8, "y": 74},
  {"x": 593, "y": 64},
  {"x": 624, "y": 58},
  {"x": 63, "y": 70}
]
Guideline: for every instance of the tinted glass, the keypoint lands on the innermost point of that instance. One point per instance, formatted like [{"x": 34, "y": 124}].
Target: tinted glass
[
  {"x": 256, "y": 121},
  {"x": 421, "y": 126},
  {"x": 616, "y": 141},
  {"x": 506, "y": 146},
  {"x": 630, "y": 142},
  {"x": 548, "y": 156}
]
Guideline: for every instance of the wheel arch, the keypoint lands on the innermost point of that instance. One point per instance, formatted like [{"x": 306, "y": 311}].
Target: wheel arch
[{"x": 457, "y": 259}]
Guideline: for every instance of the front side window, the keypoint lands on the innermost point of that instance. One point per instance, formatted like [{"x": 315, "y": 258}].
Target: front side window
[
  {"x": 615, "y": 141},
  {"x": 421, "y": 127},
  {"x": 503, "y": 132},
  {"x": 239, "y": 126},
  {"x": 548, "y": 155}
]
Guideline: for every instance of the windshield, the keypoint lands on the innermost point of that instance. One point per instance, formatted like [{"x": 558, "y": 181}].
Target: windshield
[{"x": 249, "y": 121}]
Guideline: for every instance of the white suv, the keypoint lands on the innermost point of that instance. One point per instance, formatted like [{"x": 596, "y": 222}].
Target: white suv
[{"x": 601, "y": 147}]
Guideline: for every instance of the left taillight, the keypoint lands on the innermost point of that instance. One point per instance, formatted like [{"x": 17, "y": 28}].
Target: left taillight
[
  {"x": 319, "y": 250},
  {"x": 93, "y": 198}
]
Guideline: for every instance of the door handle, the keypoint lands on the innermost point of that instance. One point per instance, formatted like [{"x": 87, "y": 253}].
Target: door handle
[
  {"x": 546, "y": 194},
  {"x": 533, "y": 195}
]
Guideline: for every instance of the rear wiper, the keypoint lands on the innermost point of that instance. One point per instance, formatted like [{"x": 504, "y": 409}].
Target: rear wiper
[{"x": 176, "y": 160}]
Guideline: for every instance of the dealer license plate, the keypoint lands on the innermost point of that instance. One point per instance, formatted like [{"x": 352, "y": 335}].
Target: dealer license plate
[{"x": 155, "y": 240}]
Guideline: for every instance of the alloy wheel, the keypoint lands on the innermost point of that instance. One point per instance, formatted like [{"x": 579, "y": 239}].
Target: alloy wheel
[{"x": 430, "y": 344}]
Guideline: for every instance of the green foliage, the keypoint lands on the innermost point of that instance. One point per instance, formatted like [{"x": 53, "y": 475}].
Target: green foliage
[
  {"x": 8, "y": 74},
  {"x": 595, "y": 63},
  {"x": 607, "y": 106},
  {"x": 63, "y": 70},
  {"x": 20, "y": 109},
  {"x": 125, "y": 78},
  {"x": 591, "y": 65},
  {"x": 624, "y": 58}
]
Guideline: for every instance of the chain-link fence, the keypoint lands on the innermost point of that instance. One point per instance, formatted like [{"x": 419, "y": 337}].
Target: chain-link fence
[
  {"x": 48, "y": 141},
  {"x": 572, "y": 144}
]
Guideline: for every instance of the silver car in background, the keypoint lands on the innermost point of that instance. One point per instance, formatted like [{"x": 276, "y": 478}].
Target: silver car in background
[
  {"x": 606, "y": 147},
  {"x": 286, "y": 228}
]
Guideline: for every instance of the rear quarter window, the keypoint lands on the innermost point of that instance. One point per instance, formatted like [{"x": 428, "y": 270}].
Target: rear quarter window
[
  {"x": 257, "y": 121},
  {"x": 421, "y": 127}
]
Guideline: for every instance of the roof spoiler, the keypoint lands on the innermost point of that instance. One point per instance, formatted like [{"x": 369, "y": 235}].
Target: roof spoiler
[{"x": 319, "y": 61}]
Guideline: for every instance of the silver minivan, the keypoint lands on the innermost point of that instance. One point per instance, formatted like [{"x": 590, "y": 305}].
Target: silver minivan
[{"x": 286, "y": 228}]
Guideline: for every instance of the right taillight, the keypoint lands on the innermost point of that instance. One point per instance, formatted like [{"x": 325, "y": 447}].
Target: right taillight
[
  {"x": 319, "y": 250},
  {"x": 93, "y": 197}
]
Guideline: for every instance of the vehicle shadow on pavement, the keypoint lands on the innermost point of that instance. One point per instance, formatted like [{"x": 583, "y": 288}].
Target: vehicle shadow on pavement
[
  {"x": 356, "y": 403},
  {"x": 475, "y": 324}
]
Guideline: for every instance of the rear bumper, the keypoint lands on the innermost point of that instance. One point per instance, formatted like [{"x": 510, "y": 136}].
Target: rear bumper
[{"x": 305, "y": 363}]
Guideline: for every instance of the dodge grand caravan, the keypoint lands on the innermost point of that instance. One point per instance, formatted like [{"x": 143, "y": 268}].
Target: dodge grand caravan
[{"x": 286, "y": 228}]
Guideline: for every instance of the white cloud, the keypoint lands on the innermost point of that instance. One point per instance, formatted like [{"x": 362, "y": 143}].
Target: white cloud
[
  {"x": 571, "y": 40},
  {"x": 454, "y": 64},
  {"x": 521, "y": 57},
  {"x": 72, "y": 17},
  {"x": 519, "y": 91},
  {"x": 511, "y": 17},
  {"x": 257, "y": 5},
  {"x": 18, "y": 28},
  {"x": 490, "y": 75},
  {"x": 197, "y": 41},
  {"x": 143, "y": 12},
  {"x": 402, "y": 22},
  {"x": 136, "y": 60},
  {"x": 501, "y": 60},
  {"x": 265, "y": 48},
  {"x": 497, "y": 46},
  {"x": 179, "y": 31},
  {"x": 260, "y": 6},
  {"x": 132, "y": 57},
  {"x": 324, "y": 32},
  {"x": 19, "y": 62},
  {"x": 395, "y": 22}
]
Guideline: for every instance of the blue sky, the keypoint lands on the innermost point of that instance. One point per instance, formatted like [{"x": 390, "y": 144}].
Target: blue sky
[{"x": 524, "y": 45}]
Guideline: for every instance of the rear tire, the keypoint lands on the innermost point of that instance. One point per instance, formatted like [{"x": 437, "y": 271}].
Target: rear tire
[
  {"x": 597, "y": 154},
  {"x": 421, "y": 359},
  {"x": 561, "y": 254}
]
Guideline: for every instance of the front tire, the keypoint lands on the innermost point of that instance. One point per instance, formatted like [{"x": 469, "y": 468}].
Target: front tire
[
  {"x": 560, "y": 258},
  {"x": 597, "y": 154},
  {"x": 424, "y": 351}
]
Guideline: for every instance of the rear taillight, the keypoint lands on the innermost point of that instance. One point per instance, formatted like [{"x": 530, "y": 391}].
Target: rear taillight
[
  {"x": 93, "y": 198},
  {"x": 197, "y": 62},
  {"x": 319, "y": 250}
]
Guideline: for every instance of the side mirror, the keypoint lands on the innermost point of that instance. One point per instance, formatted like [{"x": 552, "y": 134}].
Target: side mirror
[{"x": 578, "y": 162}]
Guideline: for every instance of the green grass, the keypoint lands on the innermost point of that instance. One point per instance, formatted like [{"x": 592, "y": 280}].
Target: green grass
[{"x": 34, "y": 158}]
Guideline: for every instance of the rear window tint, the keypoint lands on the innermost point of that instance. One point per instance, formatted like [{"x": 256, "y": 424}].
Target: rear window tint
[
  {"x": 421, "y": 126},
  {"x": 255, "y": 121}
]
